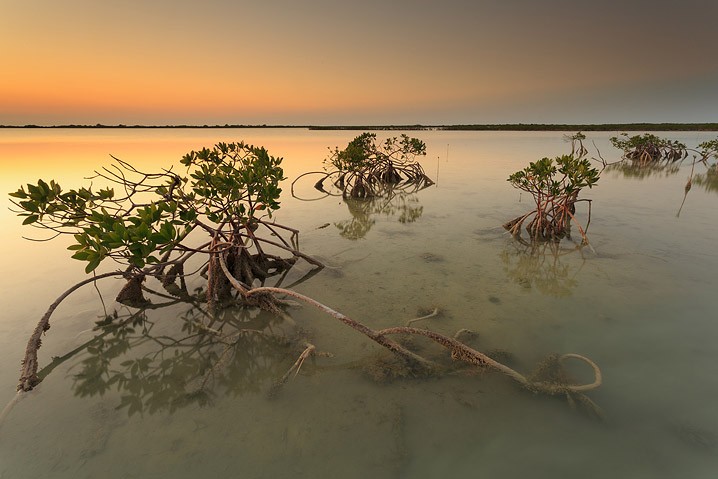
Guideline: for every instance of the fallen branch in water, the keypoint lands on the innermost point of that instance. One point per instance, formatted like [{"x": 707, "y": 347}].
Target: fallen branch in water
[
  {"x": 558, "y": 385},
  {"x": 550, "y": 378}
]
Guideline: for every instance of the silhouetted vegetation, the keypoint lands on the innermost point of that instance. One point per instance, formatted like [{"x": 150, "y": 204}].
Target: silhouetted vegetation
[
  {"x": 535, "y": 127},
  {"x": 458, "y": 127}
]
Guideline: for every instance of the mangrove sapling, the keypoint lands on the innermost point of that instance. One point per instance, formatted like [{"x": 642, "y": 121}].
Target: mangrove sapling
[
  {"x": 150, "y": 227},
  {"x": 554, "y": 185},
  {"x": 364, "y": 169}
]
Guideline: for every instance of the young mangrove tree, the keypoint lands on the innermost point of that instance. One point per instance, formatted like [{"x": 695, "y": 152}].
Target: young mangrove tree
[{"x": 554, "y": 184}]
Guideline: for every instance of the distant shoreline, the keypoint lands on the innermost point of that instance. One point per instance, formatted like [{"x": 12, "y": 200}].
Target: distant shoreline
[{"x": 467, "y": 127}]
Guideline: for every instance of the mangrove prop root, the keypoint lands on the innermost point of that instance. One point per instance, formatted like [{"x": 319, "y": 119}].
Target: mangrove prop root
[
  {"x": 28, "y": 373},
  {"x": 263, "y": 301}
]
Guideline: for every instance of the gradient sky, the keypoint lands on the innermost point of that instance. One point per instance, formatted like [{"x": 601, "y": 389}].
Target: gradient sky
[{"x": 368, "y": 62}]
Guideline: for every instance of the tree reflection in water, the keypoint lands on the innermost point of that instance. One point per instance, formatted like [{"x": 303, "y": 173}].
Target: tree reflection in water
[
  {"x": 541, "y": 266},
  {"x": 394, "y": 203},
  {"x": 640, "y": 171},
  {"x": 708, "y": 180},
  {"x": 158, "y": 365}
]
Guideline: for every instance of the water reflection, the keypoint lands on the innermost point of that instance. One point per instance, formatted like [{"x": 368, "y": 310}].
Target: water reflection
[
  {"x": 391, "y": 200},
  {"x": 641, "y": 171},
  {"x": 543, "y": 266},
  {"x": 403, "y": 206},
  {"x": 653, "y": 299},
  {"x": 155, "y": 368},
  {"x": 708, "y": 180}
]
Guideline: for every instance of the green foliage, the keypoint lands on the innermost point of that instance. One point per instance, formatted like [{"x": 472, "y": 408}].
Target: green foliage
[
  {"x": 363, "y": 152},
  {"x": 649, "y": 148},
  {"x": 355, "y": 156},
  {"x": 233, "y": 182},
  {"x": 100, "y": 224},
  {"x": 555, "y": 185},
  {"x": 364, "y": 169},
  {"x": 48, "y": 199},
  {"x": 565, "y": 177},
  {"x": 229, "y": 184},
  {"x": 708, "y": 149}
]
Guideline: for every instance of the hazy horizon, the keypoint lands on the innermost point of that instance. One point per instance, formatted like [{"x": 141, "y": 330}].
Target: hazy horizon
[{"x": 337, "y": 63}]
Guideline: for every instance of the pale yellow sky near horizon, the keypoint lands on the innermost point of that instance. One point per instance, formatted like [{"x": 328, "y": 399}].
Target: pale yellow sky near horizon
[{"x": 333, "y": 62}]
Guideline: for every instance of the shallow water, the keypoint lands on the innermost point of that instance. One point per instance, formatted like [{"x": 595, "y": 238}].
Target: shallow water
[{"x": 642, "y": 305}]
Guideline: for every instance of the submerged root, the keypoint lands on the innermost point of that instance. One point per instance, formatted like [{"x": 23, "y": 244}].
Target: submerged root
[
  {"x": 309, "y": 350},
  {"x": 432, "y": 314},
  {"x": 551, "y": 373},
  {"x": 549, "y": 378},
  {"x": 501, "y": 356},
  {"x": 695, "y": 436},
  {"x": 558, "y": 384},
  {"x": 386, "y": 368}
]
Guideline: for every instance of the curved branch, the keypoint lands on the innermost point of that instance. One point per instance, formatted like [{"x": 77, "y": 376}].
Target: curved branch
[
  {"x": 326, "y": 175},
  {"x": 465, "y": 353},
  {"x": 28, "y": 374}
]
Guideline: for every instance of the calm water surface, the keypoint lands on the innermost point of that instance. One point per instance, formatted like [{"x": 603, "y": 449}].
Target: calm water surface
[{"x": 642, "y": 305}]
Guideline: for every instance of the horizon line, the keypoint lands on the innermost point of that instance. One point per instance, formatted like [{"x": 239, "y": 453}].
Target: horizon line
[{"x": 650, "y": 126}]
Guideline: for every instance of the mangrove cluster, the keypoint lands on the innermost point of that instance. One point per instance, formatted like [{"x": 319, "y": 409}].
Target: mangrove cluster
[{"x": 215, "y": 221}]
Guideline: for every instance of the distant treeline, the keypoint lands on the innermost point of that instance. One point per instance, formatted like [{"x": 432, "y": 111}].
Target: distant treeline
[
  {"x": 477, "y": 127},
  {"x": 539, "y": 127}
]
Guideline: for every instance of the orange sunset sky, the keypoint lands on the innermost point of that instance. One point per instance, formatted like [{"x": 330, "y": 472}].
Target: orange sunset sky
[{"x": 370, "y": 62}]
